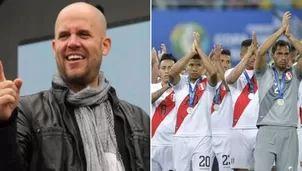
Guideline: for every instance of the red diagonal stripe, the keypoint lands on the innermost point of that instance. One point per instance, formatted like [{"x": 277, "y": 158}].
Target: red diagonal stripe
[
  {"x": 222, "y": 92},
  {"x": 243, "y": 101},
  {"x": 182, "y": 110},
  {"x": 162, "y": 110}
]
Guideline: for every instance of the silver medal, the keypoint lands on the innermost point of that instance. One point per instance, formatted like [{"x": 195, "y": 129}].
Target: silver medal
[
  {"x": 216, "y": 107},
  {"x": 251, "y": 96},
  {"x": 189, "y": 110},
  {"x": 280, "y": 102}
]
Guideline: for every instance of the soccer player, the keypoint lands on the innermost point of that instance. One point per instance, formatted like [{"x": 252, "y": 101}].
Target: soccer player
[
  {"x": 193, "y": 95},
  {"x": 278, "y": 93},
  {"x": 163, "y": 117},
  {"x": 244, "y": 93},
  {"x": 222, "y": 111}
]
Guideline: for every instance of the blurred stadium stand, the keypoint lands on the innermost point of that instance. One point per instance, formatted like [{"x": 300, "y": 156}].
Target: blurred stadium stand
[{"x": 223, "y": 4}]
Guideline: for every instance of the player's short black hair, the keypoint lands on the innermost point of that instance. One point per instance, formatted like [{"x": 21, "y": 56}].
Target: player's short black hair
[
  {"x": 226, "y": 52},
  {"x": 196, "y": 56},
  {"x": 168, "y": 56},
  {"x": 246, "y": 43},
  {"x": 279, "y": 43},
  {"x": 292, "y": 48}
]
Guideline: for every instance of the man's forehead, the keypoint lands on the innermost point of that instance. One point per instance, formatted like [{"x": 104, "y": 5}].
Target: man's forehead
[
  {"x": 285, "y": 48},
  {"x": 225, "y": 56},
  {"x": 167, "y": 62},
  {"x": 195, "y": 61},
  {"x": 73, "y": 26},
  {"x": 75, "y": 22},
  {"x": 244, "y": 48}
]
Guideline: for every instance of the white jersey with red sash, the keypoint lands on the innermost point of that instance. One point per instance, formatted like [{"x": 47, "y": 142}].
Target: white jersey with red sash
[
  {"x": 222, "y": 111},
  {"x": 244, "y": 93},
  {"x": 195, "y": 121},
  {"x": 163, "y": 117}
]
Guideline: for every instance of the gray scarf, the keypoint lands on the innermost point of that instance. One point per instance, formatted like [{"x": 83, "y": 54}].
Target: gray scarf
[{"x": 95, "y": 120}]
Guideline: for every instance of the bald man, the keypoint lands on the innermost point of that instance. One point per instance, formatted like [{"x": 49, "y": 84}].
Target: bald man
[{"x": 79, "y": 124}]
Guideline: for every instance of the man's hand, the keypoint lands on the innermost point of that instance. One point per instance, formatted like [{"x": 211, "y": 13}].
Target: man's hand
[
  {"x": 193, "y": 49},
  {"x": 211, "y": 55},
  {"x": 9, "y": 95},
  {"x": 254, "y": 39},
  {"x": 251, "y": 49},
  {"x": 196, "y": 40},
  {"x": 254, "y": 42},
  {"x": 217, "y": 52},
  {"x": 287, "y": 32},
  {"x": 254, "y": 45},
  {"x": 285, "y": 20},
  {"x": 154, "y": 57},
  {"x": 162, "y": 52}
]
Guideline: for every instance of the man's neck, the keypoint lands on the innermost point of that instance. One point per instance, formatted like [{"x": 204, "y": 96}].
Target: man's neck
[
  {"x": 193, "y": 80},
  {"x": 78, "y": 87},
  {"x": 163, "y": 83},
  {"x": 280, "y": 70}
]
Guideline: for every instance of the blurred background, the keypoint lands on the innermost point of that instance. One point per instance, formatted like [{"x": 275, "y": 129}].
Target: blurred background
[{"x": 228, "y": 22}]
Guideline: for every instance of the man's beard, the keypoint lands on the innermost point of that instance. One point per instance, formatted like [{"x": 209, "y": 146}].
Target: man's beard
[{"x": 77, "y": 79}]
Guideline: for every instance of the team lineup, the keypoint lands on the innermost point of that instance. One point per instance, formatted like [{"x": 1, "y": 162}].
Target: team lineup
[{"x": 248, "y": 116}]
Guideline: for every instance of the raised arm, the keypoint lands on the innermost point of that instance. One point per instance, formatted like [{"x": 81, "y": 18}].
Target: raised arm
[
  {"x": 14, "y": 127},
  {"x": 216, "y": 58},
  {"x": 297, "y": 44},
  {"x": 260, "y": 60},
  {"x": 158, "y": 93},
  {"x": 206, "y": 61},
  {"x": 174, "y": 72},
  {"x": 240, "y": 67},
  {"x": 155, "y": 63}
]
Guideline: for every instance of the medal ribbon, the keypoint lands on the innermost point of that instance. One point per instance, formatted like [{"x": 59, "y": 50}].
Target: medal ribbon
[
  {"x": 280, "y": 84},
  {"x": 193, "y": 91},
  {"x": 251, "y": 84},
  {"x": 217, "y": 95}
]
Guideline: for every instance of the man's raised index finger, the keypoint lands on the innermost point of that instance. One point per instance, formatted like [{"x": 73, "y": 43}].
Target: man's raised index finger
[{"x": 2, "y": 76}]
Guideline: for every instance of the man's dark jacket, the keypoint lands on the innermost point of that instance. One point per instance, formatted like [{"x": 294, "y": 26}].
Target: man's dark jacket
[{"x": 42, "y": 135}]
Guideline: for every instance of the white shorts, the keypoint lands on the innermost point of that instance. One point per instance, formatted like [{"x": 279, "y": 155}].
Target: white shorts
[
  {"x": 162, "y": 158},
  {"x": 221, "y": 148},
  {"x": 243, "y": 142},
  {"x": 192, "y": 153},
  {"x": 300, "y": 149}
]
